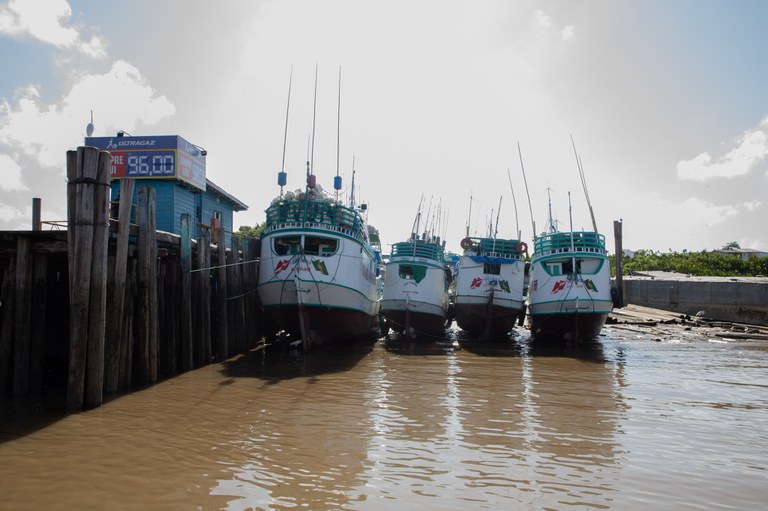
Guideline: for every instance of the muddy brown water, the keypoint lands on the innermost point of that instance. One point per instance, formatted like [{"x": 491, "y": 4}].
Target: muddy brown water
[{"x": 631, "y": 422}]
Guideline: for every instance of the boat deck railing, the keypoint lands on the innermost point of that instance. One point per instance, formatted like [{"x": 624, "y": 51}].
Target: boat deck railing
[
  {"x": 561, "y": 242},
  {"x": 418, "y": 248},
  {"x": 315, "y": 215},
  {"x": 496, "y": 247}
]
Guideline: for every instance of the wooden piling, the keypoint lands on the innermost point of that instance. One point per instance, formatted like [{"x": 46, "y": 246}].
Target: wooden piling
[
  {"x": 23, "y": 317},
  {"x": 36, "y": 207},
  {"x": 222, "y": 337},
  {"x": 147, "y": 288},
  {"x": 80, "y": 238},
  {"x": 37, "y": 327},
  {"x": 617, "y": 235},
  {"x": 202, "y": 308},
  {"x": 116, "y": 340},
  {"x": 94, "y": 381},
  {"x": 185, "y": 256},
  {"x": 7, "y": 315}
]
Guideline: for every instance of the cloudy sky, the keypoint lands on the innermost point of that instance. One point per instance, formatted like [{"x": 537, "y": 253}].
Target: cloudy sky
[{"x": 665, "y": 100}]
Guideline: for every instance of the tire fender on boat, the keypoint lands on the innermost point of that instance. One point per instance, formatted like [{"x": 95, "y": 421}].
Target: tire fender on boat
[
  {"x": 466, "y": 243},
  {"x": 521, "y": 247}
]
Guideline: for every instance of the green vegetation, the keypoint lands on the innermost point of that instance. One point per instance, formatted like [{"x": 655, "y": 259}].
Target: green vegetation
[
  {"x": 247, "y": 231},
  {"x": 693, "y": 263}
]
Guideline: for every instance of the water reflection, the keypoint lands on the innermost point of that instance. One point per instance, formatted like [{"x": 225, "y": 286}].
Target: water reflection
[{"x": 622, "y": 424}]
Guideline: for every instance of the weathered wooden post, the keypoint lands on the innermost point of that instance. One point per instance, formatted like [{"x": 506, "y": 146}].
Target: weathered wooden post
[
  {"x": 202, "y": 315},
  {"x": 37, "y": 332},
  {"x": 116, "y": 338},
  {"x": 94, "y": 390},
  {"x": 88, "y": 230},
  {"x": 222, "y": 348},
  {"x": 36, "y": 207},
  {"x": 7, "y": 314},
  {"x": 617, "y": 234},
  {"x": 23, "y": 317},
  {"x": 147, "y": 286},
  {"x": 186, "y": 294}
]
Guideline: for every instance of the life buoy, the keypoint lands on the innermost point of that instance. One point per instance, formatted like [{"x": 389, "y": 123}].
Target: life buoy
[
  {"x": 466, "y": 243},
  {"x": 521, "y": 247}
]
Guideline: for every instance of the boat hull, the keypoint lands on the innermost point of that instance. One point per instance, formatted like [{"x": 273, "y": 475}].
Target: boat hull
[
  {"x": 489, "y": 304},
  {"x": 568, "y": 305},
  {"x": 567, "y": 327},
  {"x": 321, "y": 299},
  {"x": 487, "y": 320},
  {"x": 404, "y": 321},
  {"x": 415, "y": 300}
]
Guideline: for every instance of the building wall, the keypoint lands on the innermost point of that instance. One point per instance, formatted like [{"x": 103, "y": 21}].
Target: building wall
[
  {"x": 739, "y": 301},
  {"x": 173, "y": 200}
]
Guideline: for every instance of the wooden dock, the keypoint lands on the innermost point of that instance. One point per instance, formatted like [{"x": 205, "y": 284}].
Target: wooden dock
[
  {"x": 661, "y": 323},
  {"x": 107, "y": 306}
]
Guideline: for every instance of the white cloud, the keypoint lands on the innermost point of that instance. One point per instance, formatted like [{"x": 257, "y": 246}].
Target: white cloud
[
  {"x": 10, "y": 174},
  {"x": 701, "y": 212},
  {"x": 748, "y": 150},
  {"x": 567, "y": 32},
  {"x": 45, "y": 132},
  {"x": 44, "y": 20}
]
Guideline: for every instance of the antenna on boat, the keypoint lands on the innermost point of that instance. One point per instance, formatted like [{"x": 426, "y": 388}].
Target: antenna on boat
[
  {"x": 311, "y": 167},
  {"x": 337, "y": 179},
  {"x": 584, "y": 184},
  {"x": 496, "y": 229},
  {"x": 570, "y": 224},
  {"x": 551, "y": 220},
  {"x": 514, "y": 202},
  {"x": 533, "y": 222},
  {"x": 282, "y": 176},
  {"x": 469, "y": 216},
  {"x": 352, "y": 192}
]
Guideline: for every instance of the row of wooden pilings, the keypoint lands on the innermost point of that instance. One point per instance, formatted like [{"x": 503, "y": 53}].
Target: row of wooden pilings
[{"x": 141, "y": 305}]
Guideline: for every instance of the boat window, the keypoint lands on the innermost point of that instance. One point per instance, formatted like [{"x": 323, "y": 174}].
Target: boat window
[
  {"x": 554, "y": 268},
  {"x": 318, "y": 245},
  {"x": 491, "y": 268},
  {"x": 287, "y": 245},
  {"x": 406, "y": 271}
]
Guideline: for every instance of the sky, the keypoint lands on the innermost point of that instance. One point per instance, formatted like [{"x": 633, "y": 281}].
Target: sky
[{"x": 475, "y": 110}]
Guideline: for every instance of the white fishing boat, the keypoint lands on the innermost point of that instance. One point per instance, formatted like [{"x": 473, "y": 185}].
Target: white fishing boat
[
  {"x": 416, "y": 281},
  {"x": 319, "y": 273},
  {"x": 489, "y": 292},
  {"x": 569, "y": 297},
  {"x": 570, "y": 291}
]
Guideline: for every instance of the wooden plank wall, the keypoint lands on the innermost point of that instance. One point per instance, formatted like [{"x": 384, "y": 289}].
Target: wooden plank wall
[{"x": 140, "y": 304}]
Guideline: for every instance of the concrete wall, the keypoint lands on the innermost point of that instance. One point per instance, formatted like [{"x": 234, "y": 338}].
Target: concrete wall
[{"x": 726, "y": 299}]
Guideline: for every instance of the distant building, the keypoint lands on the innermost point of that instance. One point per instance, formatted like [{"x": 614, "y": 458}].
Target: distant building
[
  {"x": 743, "y": 253},
  {"x": 176, "y": 170}
]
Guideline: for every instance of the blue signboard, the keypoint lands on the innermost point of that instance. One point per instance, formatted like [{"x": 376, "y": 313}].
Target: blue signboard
[{"x": 168, "y": 157}]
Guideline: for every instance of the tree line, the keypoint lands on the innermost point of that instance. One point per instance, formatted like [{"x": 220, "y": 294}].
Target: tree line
[{"x": 704, "y": 263}]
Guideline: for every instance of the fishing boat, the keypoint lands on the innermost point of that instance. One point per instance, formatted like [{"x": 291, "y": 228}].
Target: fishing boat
[
  {"x": 570, "y": 292},
  {"x": 318, "y": 276},
  {"x": 416, "y": 281},
  {"x": 319, "y": 273},
  {"x": 489, "y": 286},
  {"x": 569, "y": 297}
]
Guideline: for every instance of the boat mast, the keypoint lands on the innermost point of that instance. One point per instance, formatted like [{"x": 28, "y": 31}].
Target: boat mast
[
  {"x": 514, "y": 203},
  {"x": 533, "y": 222},
  {"x": 469, "y": 217},
  {"x": 337, "y": 180},
  {"x": 283, "y": 177},
  {"x": 584, "y": 184},
  {"x": 552, "y": 227},
  {"x": 570, "y": 222}
]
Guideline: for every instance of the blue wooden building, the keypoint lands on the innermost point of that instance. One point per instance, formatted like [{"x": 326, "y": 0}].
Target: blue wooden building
[{"x": 175, "y": 168}]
